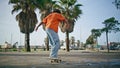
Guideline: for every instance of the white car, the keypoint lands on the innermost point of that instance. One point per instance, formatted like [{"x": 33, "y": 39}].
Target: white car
[
  {"x": 117, "y": 48},
  {"x": 64, "y": 47}
]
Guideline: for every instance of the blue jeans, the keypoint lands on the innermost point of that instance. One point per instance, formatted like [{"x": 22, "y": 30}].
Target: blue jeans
[{"x": 54, "y": 41}]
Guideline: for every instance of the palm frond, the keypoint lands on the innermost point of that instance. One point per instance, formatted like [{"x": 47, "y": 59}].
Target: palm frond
[
  {"x": 16, "y": 8},
  {"x": 26, "y": 18},
  {"x": 13, "y": 1},
  {"x": 111, "y": 24},
  {"x": 70, "y": 10}
]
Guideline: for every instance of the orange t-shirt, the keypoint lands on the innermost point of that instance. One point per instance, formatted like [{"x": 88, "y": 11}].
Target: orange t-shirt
[{"x": 52, "y": 21}]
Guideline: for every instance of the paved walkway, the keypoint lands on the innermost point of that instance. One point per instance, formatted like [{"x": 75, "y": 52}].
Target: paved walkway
[{"x": 73, "y": 59}]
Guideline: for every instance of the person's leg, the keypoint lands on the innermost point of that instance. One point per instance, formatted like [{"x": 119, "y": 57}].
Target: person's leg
[{"x": 55, "y": 43}]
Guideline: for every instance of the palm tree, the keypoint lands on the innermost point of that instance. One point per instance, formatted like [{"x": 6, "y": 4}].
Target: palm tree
[
  {"x": 96, "y": 33},
  {"x": 117, "y": 4},
  {"x": 78, "y": 43},
  {"x": 111, "y": 24},
  {"x": 61, "y": 43},
  {"x": 46, "y": 41},
  {"x": 27, "y": 18},
  {"x": 45, "y": 7},
  {"x": 90, "y": 40},
  {"x": 72, "y": 41},
  {"x": 72, "y": 12}
]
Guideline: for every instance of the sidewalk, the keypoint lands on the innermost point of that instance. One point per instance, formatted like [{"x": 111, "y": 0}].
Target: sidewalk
[{"x": 73, "y": 59}]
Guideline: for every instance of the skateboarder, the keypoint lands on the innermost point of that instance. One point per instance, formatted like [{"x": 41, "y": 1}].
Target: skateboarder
[{"x": 51, "y": 26}]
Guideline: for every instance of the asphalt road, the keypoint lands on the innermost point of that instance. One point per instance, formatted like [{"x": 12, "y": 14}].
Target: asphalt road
[{"x": 72, "y": 59}]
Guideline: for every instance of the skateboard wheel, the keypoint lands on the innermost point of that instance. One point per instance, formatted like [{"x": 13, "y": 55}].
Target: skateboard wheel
[{"x": 55, "y": 60}]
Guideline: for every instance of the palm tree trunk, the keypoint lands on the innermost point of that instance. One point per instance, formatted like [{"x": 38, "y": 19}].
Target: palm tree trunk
[
  {"x": 67, "y": 41},
  {"x": 27, "y": 44},
  {"x": 107, "y": 37},
  {"x": 107, "y": 40},
  {"x": 47, "y": 45},
  {"x": 97, "y": 44}
]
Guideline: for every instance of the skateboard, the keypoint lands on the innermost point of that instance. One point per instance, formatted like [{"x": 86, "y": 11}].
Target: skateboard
[{"x": 56, "y": 60}]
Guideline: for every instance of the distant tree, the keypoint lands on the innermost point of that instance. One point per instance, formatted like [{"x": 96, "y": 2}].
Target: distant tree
[
  {"x": 96, "y": 33},
  {"x": 78, "y": 43},
  {"x": 111, "y": 24},
  {"x": 62, "y": 43},
  {"x": 72, "y": 40},
  {"x": 15, "y": 45},
  {"x": 90, "y": 40},
  {"x": 26, "y": 17},
  {"x": 46, "y": 40}
]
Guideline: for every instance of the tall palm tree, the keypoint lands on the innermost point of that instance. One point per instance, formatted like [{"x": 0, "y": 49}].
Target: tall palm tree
[
  {"x": 72, "y": 12},
  {"x": 111, "y": 24},
  {"x": 27, "y": 18},
  {"x": 45, "y": 7}
]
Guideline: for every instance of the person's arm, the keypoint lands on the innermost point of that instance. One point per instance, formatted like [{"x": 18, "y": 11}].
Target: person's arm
[
  {"x": 62, "y": 18},
  {"x": 67, "y": 24},
  {"x": 38, "y": 26},
  {"x": 66, "y": 21}
]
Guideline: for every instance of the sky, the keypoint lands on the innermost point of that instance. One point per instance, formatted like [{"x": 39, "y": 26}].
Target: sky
[{"x": 94, "y": 12}]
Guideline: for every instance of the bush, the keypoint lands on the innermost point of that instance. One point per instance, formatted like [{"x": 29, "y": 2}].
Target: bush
[{"x": 14, "y": 49}]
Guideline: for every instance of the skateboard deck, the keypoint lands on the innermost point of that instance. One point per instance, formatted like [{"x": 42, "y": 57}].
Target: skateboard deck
[{"x": 55, "y": 60}]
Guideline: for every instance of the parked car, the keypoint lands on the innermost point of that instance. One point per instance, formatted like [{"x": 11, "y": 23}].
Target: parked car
[
  {"x": 117, "y": 48},
  {"x": 64, "y": 47}
]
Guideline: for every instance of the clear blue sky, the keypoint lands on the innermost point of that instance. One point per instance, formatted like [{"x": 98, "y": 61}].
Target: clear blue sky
[{"x": 94, "y": 13}]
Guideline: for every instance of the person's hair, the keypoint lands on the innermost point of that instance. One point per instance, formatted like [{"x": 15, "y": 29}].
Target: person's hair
[{"x": 56, "y": 10}]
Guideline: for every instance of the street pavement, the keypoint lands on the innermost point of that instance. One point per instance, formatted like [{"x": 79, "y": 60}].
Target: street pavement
[{"x": 72, "y": 59}]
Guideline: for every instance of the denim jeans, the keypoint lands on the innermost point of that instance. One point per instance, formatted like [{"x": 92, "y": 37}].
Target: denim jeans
[{"x": 54, "y": 41}]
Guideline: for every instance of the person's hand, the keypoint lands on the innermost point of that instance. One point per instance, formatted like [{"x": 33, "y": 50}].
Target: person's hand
[
  {"x": 36, "y": 28},
  {"x": 67, "y": 26}
]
